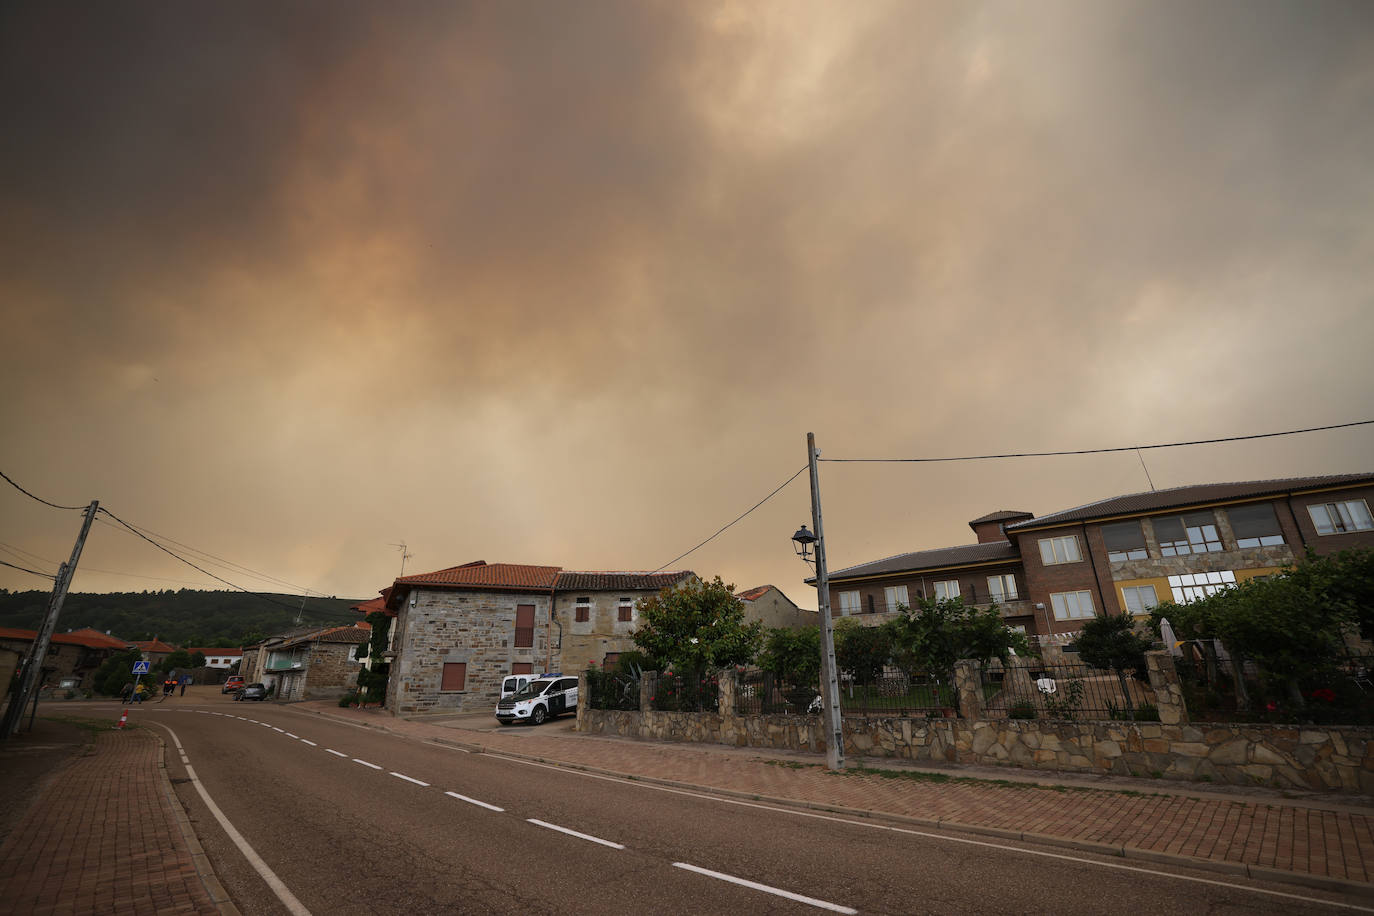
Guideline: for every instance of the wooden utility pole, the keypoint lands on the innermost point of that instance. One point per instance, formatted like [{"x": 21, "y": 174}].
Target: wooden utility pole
[
  {"x": 28, "y": 684},
  {"x": 830, "y": 684}
]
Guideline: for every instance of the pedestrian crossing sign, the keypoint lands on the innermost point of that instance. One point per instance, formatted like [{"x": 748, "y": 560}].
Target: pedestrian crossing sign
[{"x": 140, "y": 667}]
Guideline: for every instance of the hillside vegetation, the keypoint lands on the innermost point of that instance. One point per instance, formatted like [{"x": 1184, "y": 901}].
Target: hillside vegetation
[{"x": 186, "y": 617}]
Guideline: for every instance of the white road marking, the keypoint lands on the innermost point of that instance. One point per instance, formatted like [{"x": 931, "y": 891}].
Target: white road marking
[
  {"x": 945, "y": 837},
  {"x": 473, "y": 801},
  {"x": 289, "y": 735},
  {"x": 288, "y": 899},
  {"x": 312, "y": 744},
  {"x": 336, "y": 753},
  {"x": 366, "y": 764},
  {"x": 408, "y": 778},
  {"x": 241, "y": 718},
  {"x": 275, "y": 729},
  {"x": 580, "y": 836},
  {"x": 812, "y": 901},
  {"x": 254, "y": 721},
  {"x": 264, "y": 725}
]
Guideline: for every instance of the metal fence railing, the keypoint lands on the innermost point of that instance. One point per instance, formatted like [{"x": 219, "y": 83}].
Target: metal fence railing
[
  {"x": 1065, "y": 690},
  {"x": 686, "y": 693},
  {"x": 1340, "y": 692},
  {"x": 759, "y": 693},
  {"x": 895, "y": 693},
  {"x": 609, "y": 690}
]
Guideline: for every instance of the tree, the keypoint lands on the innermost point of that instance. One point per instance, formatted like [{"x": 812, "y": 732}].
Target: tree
[
  {"x": 115, "y": 672},
  {"x": 1112, "y": 642},
  {"x": 932, "y": 637},
  {"x": 697, "y": 627},
  {"x": 373, "y": 678},
  {"x": 197, "y": 659},
  {"x": 862, "y": 651},
  {"x": 793, "y": 656},
  {"x": 178, "y": 660}
]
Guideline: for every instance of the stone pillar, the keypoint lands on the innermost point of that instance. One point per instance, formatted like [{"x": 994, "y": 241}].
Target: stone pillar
[
  {"x": 1159, "y": 665},
  {"x": 584, "y": 700},
  {"x": 968, "y": 684},
  {"x": 728, "y": 685},
  {"x": 648, "y": 686}
]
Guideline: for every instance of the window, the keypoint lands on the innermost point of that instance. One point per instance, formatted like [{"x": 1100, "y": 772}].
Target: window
[
  {"x": 1199, "y": 585},
  {"x": 849, "y": 603},
  {"x": 946, "y": 590},
  {"x": 1002, "y": 588},
  {"x": 1255, "y": 526},
  {"x": 455, "y": 676},
  {"x": 1060, "y": 550},
  {"x": 1072, "y": 605},
  {"x": 610, "y": 661},
  {"x": 1125, "y": 541},
  {"x": 583, "y": 611},
  {"x": 1181, "y": 535},
  {"x": 896, "y": 595},
  {"x": 627, "y": 610},
  {"x": 522, "y": 668},
  {"x": 1139, "y": 598},
  {"x": 1338, "y": 518},
  {"x": 524, "y": 626}
]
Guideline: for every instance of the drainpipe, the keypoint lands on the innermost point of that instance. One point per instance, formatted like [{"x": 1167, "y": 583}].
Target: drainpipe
[
  {"x": 548, "y": 630},
  {"x": 1288, "y": 499},
  {"x": 1093, "y": 563}
]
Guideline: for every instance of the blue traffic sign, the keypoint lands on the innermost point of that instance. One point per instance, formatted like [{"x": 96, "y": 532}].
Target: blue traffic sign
[{"x": 140, "y": 667}]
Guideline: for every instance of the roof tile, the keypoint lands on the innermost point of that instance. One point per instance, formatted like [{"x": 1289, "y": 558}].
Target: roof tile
[
  {"x": 593, "y": 581},
  {"x": 931, "y": 559},
  {"x": 509, "y": 576}
]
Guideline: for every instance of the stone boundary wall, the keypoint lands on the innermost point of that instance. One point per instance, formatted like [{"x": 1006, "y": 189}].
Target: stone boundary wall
[{"x": 1336, "y": 759}]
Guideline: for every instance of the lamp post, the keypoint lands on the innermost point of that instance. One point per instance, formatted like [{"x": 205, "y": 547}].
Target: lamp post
[{"x": 830, "y": 682}]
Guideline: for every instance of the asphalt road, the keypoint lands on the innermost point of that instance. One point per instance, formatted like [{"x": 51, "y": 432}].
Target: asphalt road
[{"x": 352, "y": 820}]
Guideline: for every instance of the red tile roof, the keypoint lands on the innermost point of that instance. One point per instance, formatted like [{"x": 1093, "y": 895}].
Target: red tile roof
[
  {"x": 154, "y": 645},
  {"x": 351, "y": 634},
  {"x": 91, "y": 639},
  {"x": 371, "y": 607},
  {"x": 489, "y": 577},
  {"x": 630, "y": 581},
  {"x": 1198, "y": 494},
  {"x": 754, "y": 594}
]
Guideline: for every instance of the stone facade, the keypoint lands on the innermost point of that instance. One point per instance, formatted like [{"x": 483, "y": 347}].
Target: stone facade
[
  {"x": 437, "y": 627},
  {"x": 770, "y": 607}
]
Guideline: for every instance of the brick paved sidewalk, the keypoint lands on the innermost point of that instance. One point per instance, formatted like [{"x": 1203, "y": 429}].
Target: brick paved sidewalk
[
  {"x": 104, "y": 838},
  {"x": 1325, "y": 839}
]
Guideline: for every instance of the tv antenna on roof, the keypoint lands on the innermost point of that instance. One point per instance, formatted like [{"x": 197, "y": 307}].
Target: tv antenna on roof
[{"x": 404, "y": 556}]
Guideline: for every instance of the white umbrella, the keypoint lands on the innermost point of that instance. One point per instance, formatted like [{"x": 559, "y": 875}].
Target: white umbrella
[{"x": 1166, "y": 632}]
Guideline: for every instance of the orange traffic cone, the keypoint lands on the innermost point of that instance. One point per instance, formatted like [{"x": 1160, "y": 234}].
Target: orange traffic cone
[{"x": 122, "y": 719}]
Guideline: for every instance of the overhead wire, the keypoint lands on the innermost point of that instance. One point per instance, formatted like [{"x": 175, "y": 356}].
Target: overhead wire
[
  {"x": 39, "y": 498},
  {"x": 732, "y": 524},
  {"x": 27, "y": 570}
]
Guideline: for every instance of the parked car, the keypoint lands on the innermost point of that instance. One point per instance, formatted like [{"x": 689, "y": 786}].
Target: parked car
[
  {"x": 251, "y": 692},
  {"x": 234, "y": 683},
  {"x": 545, "y": 697}
]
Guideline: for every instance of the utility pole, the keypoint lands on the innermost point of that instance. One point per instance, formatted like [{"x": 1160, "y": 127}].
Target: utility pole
[
  {"x": 28, "y": 684},
  {"x": 830, "y": 682}
]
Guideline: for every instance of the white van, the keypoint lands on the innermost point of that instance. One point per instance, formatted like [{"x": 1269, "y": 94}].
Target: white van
[
  {"x": 514, "y": 683},
  {"x": 545, "y": 697}
]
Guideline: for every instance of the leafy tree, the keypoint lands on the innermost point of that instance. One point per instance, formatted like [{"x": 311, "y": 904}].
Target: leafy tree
[
  {"x": 1112, "y": 642},
  {"x": 697, "y": 627},
  {"x": 938, "y": 633},
  {"x": 372, "y": 680},
  {"x": 862, "y": 651},
  {"x": 793, "y": 656},
  {"x": 115, "y": 672},
  {"x": 177, "y": 660},
  {"x": 197, "y": 659}
]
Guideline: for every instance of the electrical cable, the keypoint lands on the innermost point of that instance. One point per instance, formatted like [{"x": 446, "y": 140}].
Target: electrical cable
[
  {"x": 722, "y": 531},
  {"x": 1097, "y": 451},
  {"x": 27, "y": 570},
  {"x": 229, "y": 564},
  {"x": 20, "y": 553},
  {"x": 39, "y": 498}
]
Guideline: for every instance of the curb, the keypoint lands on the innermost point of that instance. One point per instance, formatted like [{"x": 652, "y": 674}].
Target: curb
[
  {"x": 1155, "y": 857},
  {"x": 218, "y": 895}
]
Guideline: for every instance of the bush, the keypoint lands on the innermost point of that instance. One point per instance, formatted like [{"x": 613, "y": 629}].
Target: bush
[
  {"x": 348, "y": 699},
  {"x": 1022, "y": 709}
]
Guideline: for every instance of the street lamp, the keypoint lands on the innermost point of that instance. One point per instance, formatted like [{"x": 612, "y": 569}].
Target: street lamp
[{"x": 830, "y": 682}]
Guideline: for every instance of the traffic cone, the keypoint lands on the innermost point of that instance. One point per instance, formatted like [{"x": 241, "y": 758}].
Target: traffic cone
[{"x": 122, "y": 719}]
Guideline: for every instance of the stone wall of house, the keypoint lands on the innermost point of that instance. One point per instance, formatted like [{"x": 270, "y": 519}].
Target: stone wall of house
[
  {"x": 588, "y": 641},
  {"x": 331, "y": 671},
  {"x": 476, "y": 629}
]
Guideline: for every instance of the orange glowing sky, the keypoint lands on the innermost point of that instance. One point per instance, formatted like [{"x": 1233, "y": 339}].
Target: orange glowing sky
[{"x": 567, "y": 284}]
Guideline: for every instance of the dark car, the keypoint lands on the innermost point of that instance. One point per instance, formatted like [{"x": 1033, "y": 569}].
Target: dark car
[
  {"x": 233, "y": 684},
  {"x": 251, "y": 692}
]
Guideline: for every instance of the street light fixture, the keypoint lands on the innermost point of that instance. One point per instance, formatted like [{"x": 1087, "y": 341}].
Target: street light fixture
[
  {"x": 830, "y": 682},
  {"x": 804, "y": 539}
]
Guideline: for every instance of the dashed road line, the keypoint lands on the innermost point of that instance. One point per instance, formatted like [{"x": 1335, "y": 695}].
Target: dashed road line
[
  {"x": 337, "y": 753},
  {"x": 407, "y": 778},
  {"x": 311, "y": 743},
  {"x": 754, "y": 885},
  {"x": 473, "y": 801},
  {"x": 289, "y": 735},
  {"x": 275, "y": 729},
  {"x": 366, "y": 764},
  {"x": 580, "y": 836}
]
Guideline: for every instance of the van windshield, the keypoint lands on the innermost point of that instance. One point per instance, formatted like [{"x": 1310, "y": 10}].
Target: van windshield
[{"x": 533, "y": 689}]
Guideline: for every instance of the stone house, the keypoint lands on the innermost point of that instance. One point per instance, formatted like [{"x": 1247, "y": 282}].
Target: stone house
[
  {"x": 770, "y": 607},
  {"x": 1124, "y": 554},
  {"x": 316, "y": 665},
  {"x": 460, "y": 631},
  {"x": 72, "y": 658},
  {"x": 154, "y": 650}
]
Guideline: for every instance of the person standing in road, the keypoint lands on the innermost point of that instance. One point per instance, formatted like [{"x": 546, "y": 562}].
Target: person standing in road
[
  {"x": 185, "y": 682},
  {"x": 126, "y": 691}
]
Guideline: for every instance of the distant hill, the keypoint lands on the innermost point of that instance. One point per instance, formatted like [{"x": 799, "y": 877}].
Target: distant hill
[{"x": 182, "y": 618}]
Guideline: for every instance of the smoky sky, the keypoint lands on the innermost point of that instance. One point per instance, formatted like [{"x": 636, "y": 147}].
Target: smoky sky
[{"x": 567, "y": 284}]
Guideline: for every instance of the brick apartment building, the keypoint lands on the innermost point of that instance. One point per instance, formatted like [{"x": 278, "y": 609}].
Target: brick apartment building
[{"x": 1118, "y": 555}]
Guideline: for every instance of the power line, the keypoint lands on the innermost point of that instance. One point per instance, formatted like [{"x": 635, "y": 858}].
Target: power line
[
  {"x": 1099, "y": 451},
  {"x": 722, "y": 531},
  {"x": 27, "y": 556},
  {"x": 39, "y": 498},
  {"x": 27, "y": 570}
]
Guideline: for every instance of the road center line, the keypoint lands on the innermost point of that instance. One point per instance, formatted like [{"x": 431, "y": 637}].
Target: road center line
[
  {"x": 289, "y": 735},
  {"x": 580, "y": 836},
  {"x": 288, "y": 899},
  {"x": 812, "y": 901},
  {"x": 337, "y": 753},
  {"x": 312, "y": 743},
  {"x": 473, "y": 801},
  {"x": 366, "y": 764},
  {"x": 408, "y": 778}
]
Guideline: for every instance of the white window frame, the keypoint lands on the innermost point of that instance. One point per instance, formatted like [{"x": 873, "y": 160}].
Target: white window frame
[
  {"x": 1000, "y": 592},
  {"x": 1137, "y": 592},
  {"x": 1342, "y": 517},
  {"x": 896, "y": 595},
  {"x": 1191, "y": 586},
  {"x": 949, "y": 587},
  {"x": 849, "y": 604},
  {"x": 1073, "y": 605},
  {"x": 1064, "y": 549}
]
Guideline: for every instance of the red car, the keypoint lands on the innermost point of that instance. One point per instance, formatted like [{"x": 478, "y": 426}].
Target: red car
[{"x": 234, "y": 683}]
